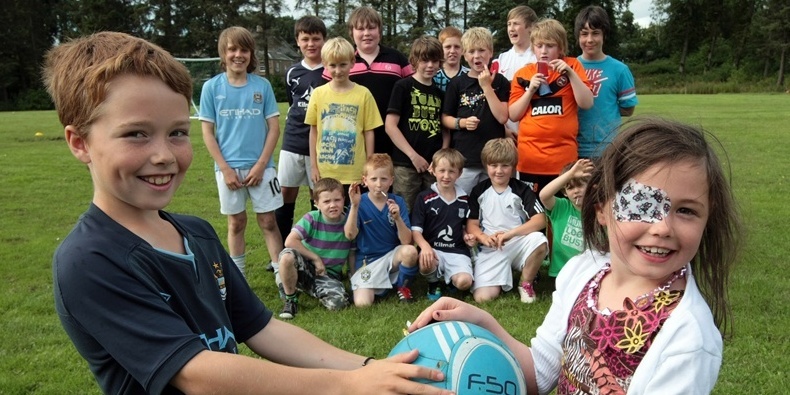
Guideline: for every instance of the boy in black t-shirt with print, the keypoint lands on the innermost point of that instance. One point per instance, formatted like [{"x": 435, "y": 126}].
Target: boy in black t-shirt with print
[{"x": 414, "y": 120}]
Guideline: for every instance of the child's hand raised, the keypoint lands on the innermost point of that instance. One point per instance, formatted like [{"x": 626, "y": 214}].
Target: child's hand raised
[
  {"x": 485, "y": 78},
  {"x": 582, "y": 168},
  {"x": 354, "y": 194}
]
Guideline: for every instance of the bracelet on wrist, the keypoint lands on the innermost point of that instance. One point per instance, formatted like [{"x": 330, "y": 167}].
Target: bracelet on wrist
[
  {"x": 367, "y": 361},
  {"x": 457, "y": 123}
]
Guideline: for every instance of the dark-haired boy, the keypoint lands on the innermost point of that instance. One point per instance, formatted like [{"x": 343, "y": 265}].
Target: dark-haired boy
[
  {"x": 316, "y": 251},
  {"x": 614, "y": 93},
  {"x": 293, "y": 169}
]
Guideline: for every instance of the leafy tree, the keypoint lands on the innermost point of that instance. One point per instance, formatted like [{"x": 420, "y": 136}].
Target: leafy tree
[{"x": 27, "y": 31}]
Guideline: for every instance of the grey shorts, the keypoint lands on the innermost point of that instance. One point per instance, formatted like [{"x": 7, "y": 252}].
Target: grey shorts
[{"x": 328, "y": 289}]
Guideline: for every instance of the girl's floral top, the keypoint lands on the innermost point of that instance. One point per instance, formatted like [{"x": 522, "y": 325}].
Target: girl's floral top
[{"x": 601, "y": 352}]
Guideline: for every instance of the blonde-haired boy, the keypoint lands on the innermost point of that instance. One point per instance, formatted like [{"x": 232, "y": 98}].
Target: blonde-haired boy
[
  {"x": 379, "y": 222},
  {"x": 151, "y": 299},
  {"x": 342, "y": 115},
  {"x": 475, "y": 105},
  {"x": 506, "y": 218},
  {"x": 548, "y": 122}
]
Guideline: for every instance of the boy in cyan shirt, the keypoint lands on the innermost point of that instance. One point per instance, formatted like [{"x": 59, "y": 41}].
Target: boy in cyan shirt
[
  {"x": 612, "y": 84},
  {"x": 241, "y": 125}
]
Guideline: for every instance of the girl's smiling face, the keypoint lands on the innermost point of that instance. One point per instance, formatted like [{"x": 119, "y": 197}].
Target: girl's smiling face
[{"x": 650, "y": 242}]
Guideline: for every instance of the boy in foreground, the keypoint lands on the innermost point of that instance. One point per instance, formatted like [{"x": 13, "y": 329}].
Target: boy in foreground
[
  {"x": 506, "y": 218},
  {"x": 316, "y": 251},
  {"x": 241, "y": 125},
  {"x": 151, "y": 299},
  {"x": 379, "y": 222},
  {"x": 438, "y": 226}
]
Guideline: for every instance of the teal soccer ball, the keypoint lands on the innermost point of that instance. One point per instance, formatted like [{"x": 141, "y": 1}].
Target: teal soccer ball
[{"x": 473, "y": 360}]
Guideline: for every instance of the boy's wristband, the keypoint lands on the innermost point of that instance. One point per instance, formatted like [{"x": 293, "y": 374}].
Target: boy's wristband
[{"x": 457, "y": 123}]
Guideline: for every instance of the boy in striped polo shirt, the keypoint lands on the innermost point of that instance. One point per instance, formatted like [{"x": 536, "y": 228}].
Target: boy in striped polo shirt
[{"x": 316, "y": 251}]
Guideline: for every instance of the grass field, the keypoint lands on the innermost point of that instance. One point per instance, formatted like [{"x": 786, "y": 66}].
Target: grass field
[{"x": 44, "y": 190}]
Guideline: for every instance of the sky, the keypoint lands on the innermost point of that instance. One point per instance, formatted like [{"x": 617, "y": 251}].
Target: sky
[{"x": 641, "y": 10}]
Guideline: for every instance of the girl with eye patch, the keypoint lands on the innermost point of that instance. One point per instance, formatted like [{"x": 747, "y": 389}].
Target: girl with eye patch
[{"x": 643, "y": 309}]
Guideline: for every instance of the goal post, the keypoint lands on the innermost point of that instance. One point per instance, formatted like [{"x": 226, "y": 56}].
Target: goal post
[{"x": 200, "y": 70}]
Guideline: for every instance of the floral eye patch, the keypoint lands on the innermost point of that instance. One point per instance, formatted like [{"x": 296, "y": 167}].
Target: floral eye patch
[{"x": 636, "y": 202}]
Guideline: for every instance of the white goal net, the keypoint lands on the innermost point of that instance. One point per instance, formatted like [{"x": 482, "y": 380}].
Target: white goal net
[{"x": 201, "y": 70}]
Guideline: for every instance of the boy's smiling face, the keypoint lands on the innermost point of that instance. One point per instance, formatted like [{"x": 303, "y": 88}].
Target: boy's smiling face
[
  {"x": 591, "y": 42},
  {"x": 138, "y": 149},
  {"x": 237, "y": 59},
  {"x": 446, "y": 174},
  {"x": 499, "y": 173}
]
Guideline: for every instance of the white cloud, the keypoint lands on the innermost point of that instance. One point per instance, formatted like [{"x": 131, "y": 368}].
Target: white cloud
[{"x": 641, "y": 10}]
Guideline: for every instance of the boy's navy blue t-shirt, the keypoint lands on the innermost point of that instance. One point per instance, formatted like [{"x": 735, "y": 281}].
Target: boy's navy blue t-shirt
[{"x": 137, "y": 314}]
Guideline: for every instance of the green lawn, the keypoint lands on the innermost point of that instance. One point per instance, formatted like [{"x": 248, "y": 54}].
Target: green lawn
[{"x": 45, "y": 189}]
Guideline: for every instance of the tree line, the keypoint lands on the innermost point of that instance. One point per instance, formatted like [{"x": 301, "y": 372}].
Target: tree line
[{"x": 746, "y": 40}]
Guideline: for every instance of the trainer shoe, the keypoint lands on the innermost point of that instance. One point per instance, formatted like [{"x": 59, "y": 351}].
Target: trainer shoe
[
  {"x": 527, "y": 292},
  {"x": 404, "y": 294},
  {"x": 270, "y": 267},
  {"x": 289, "y": 310},
  {"x": 434, "y": 293}
]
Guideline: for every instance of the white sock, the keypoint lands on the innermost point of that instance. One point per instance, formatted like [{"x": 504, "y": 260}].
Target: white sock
[{"x": 241, "y": 262}]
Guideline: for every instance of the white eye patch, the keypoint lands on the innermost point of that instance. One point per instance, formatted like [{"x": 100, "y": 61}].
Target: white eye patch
[{"x": 636, "y": 202}]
